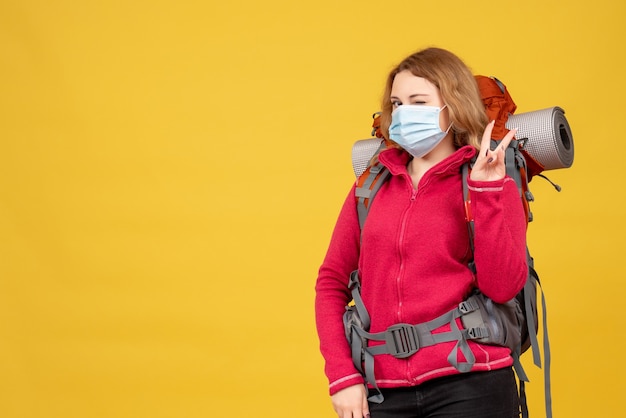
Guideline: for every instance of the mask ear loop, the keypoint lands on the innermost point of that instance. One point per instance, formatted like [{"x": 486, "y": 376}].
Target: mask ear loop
[{"x": 441, "y": 110}]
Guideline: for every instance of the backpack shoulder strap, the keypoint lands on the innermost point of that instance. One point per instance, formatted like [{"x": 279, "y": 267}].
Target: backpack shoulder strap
[
  {"x": 370, "y": 176},
  {"x": 367, "y": 187},
  {"x": 516, "y": 168}
]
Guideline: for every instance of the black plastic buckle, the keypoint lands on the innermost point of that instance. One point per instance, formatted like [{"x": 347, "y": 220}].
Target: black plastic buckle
[
  {"x": 477, "y": 332},
  {"x": 354, "y": 279},
  {"x": 402, "y": 340},
  {"x": 467, "y": 306}
]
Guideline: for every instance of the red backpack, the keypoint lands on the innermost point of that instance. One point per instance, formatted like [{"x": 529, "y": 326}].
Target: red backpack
[{"x": 521, "y": 166}]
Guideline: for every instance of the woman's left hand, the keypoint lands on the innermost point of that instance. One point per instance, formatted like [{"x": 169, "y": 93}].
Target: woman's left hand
[{"x": 489, "y": 165}]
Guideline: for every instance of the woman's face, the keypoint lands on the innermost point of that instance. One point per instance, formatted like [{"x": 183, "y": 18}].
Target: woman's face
[{"x": 408, "y": 89}]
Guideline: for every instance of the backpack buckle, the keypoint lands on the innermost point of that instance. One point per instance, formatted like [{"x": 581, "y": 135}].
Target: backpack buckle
[
  {"x": 468, "y": 306},
  {"x": 354, "y": 280},
  {"x": 402, "y": 340},
  {"x": 477, "y": 333}
]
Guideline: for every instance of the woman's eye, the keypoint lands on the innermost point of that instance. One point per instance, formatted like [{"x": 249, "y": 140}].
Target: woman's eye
[
  {"x": 396, "y": 103},
  {"x": 419, "y": 103}
]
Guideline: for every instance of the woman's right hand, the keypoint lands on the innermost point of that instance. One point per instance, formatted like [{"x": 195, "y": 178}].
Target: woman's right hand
[{"x": 351, "y": 402}]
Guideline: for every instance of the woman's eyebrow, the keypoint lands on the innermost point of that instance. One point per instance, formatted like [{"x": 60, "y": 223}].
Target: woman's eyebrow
[{"x": 411, "y": 96}]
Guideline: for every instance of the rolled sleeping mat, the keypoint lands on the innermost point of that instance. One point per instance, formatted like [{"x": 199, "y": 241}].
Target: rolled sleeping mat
[{"x": 549, "y": 138}]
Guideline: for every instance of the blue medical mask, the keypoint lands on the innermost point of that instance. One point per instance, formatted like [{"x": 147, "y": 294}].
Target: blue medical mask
[{"x": 416, "y": 128}]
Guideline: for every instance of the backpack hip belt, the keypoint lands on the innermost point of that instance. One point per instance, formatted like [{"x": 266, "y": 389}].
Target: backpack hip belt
[{"x": 483, "y": 321}]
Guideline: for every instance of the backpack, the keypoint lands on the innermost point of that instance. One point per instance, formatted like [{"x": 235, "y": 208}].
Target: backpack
[{"x": 543, "y": 142}]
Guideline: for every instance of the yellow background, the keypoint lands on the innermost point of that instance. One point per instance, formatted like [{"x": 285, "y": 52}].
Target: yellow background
[{"x": 170, "y": 173}]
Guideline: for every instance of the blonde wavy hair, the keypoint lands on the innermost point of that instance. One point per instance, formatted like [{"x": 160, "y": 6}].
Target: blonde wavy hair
[{"x": 458, "y": 90}]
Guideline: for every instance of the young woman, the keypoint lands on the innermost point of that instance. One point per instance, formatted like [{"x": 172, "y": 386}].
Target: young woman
[{"x": 413, "y": 252}]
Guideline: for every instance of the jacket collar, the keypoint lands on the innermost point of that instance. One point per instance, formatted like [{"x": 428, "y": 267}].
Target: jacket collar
[{"x": 396, "y": 160}]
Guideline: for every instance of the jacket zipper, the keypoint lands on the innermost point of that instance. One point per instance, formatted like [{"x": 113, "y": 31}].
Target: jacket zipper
[
  {"x": 400, "y": 252},
  {"x": 403, "y": 226},
  {"x": 405, "y": 215},
  {"x": 414, "y": 192}
]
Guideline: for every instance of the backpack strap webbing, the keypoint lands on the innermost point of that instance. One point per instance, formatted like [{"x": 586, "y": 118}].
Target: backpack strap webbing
[
  {"x": 547, "y": 358},
  {"x": 403, "y": 340},
  {"x": 469, "y": 218},
  {"x": 533, "y": 279},
  {"x": 516, "y": 168},
  {"x": 373, "y": 179},
  {"x": 368, "y": 185}
]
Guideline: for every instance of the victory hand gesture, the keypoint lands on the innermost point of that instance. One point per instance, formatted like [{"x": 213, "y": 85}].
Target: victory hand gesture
[{"x": 489, "y": 165}]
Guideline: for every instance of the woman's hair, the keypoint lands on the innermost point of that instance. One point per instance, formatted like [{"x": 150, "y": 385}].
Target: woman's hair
[{"x": 458, "y": 90}]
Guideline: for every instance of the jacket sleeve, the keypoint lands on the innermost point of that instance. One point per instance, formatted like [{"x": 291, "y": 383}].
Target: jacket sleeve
[
  {"x": 332, "y": 295},
  {"x": 499, "y": 238}
]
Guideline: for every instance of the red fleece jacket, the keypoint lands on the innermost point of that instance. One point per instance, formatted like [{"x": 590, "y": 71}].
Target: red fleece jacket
[{"x": 413, "y": 262}]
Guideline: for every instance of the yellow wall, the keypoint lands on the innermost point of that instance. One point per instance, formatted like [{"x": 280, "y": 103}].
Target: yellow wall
[{"x": 170, "y": 172}]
